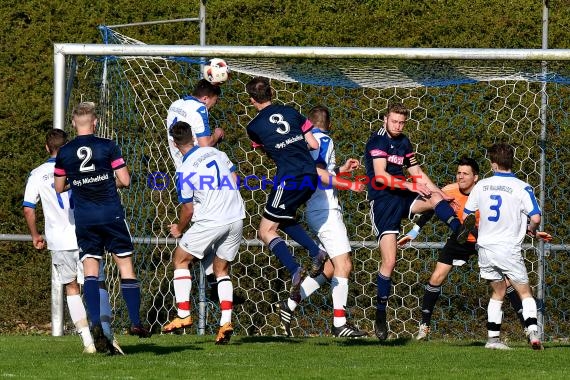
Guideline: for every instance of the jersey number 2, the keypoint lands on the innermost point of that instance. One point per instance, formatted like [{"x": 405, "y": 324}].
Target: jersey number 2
[
  {"x": 496, "y": 208},
  {"x": 85, "y": 154}
]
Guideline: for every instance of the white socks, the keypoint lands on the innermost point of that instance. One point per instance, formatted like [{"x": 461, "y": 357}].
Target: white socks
[
  {"x": 182, "y": 283},
  {"x": 226, "y": 296},
  {"x": 79, "y": 318}
]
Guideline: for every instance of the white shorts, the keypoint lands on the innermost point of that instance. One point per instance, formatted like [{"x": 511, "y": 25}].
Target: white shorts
[
  {"x": 225, "y": 240},
  {"x": 330, "y": 229},
  {"x": 495, "y": 266},
  {"x": 68, "y": 267}
]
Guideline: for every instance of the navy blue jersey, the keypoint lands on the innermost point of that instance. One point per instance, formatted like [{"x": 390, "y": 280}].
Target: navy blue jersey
[
  {"x": 281, "y": 131},
  {"x": 398, "y": 153},
  {"x": 89, "y": 163}
]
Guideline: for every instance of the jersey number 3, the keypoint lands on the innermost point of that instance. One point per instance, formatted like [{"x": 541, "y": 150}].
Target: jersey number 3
[
  {"x": 496, "y": 208},
  {"x": 284, "y": 126}
]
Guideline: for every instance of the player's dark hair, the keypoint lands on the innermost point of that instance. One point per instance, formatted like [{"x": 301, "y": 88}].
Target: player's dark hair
[
  {"x": 468, "y": 161},
  {"x": 503, "y": 155},
  {"x": 398, "y": 108},
  {"x": 55, "y": 139},
  {"x": 181, "y": 132},
  {"x": 85, "y": 108},
  {"x": 205, "y": 88},
  {"x": 320, "y": 117},
  {"x": 259, "y": 89}
]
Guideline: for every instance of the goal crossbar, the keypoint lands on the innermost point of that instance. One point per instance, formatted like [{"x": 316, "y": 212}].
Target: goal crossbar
[{"x": 61, "y": 50}]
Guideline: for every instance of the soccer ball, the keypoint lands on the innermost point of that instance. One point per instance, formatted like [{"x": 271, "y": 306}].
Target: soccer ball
[{"x": 216, "y": 71}]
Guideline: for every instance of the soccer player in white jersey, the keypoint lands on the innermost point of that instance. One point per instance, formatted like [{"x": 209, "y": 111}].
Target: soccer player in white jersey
[
  {"x": 324, "y": 217},
  {"x": 194, "y": 110},
  {"x": 508, "y": 210},
  {"x": 211, "y": 199},
  {"x": 59, "y": 226}
]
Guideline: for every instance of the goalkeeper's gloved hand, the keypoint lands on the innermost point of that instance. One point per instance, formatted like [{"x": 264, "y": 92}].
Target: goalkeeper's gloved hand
[{"x": 411, "y": 235}]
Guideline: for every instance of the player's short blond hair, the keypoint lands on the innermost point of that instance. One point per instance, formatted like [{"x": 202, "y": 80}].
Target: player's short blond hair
[
  {"x": 320, "y": 117},
  {"x": 85, "y": 108}
]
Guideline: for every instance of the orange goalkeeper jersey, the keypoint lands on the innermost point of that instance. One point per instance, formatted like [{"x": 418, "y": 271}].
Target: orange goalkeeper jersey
[{"x": 458, "y": 204}]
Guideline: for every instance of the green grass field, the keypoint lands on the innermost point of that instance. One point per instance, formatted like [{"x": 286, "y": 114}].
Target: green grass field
[{"x": 196, "y": 357}]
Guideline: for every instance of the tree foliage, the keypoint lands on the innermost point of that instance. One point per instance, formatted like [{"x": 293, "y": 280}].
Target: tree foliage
[{"x": 30, "y": 28}]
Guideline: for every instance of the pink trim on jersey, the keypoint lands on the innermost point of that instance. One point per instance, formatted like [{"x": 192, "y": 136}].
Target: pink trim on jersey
[
  {"x": 307, "y": 126},
  {"x": 118, "y": 162},
  {"x": 256, "y": 145},
  {"x": 410, "y": 154},
  {"x": 378, "y": 153},
  {"x": 59, "y": 172}
]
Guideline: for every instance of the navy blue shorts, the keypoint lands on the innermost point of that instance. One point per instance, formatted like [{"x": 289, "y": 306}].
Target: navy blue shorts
[
  {"x": 114, "y": 237},
  {"x": 285, "y": 198},
  {"x": 388, "y": 211},
  {"x": 455, "y": 251}
]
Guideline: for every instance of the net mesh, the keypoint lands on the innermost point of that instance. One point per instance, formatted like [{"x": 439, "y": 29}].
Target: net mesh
[{"x": 457, "y": 108}]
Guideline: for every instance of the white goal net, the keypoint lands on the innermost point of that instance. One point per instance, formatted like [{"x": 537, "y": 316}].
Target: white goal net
[{"x": 458, "y": 107}]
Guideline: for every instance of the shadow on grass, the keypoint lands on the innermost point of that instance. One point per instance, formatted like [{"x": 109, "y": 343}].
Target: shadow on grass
[
  {"x": 467, "y": 344},
  {"x": 554, "y": 345},
  {"x": 269, "y": 339},
  {"x": 324, "y": 341},
  {"x": 157, "y": 349},
  {"x": 373, "y": 341}
]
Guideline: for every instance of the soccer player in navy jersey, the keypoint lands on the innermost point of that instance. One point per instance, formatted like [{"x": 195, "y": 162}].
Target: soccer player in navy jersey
[
  {"x": 62, "y": 243},
  {"x": 94, "y": 168},
  {"x": 284, "y": 134},
  {"x": 392, "y": 198},
  {"x": 324, "y": 217}
]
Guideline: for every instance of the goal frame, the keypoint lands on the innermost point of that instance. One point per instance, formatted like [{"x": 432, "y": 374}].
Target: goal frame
[{"x": 63, "y": 51}]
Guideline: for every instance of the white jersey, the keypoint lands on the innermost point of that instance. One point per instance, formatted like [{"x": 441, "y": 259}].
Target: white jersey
[
  {"x": 205, "y": 179},
  {"x": 504, "y": 203},
  {"x": 195, "y": 113},
  {"x": 57, "y": 208},
  {"x": 325, "y": 197}
]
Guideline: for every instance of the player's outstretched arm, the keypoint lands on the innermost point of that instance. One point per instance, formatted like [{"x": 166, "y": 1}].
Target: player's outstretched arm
[
  {"x": 423, "y": 185},
  {"x": 339, "y": 181}
]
